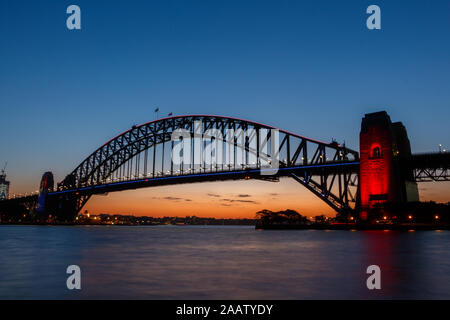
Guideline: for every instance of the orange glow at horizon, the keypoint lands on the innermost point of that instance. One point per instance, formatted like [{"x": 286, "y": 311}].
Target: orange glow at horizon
[
  {"x": 225, "y": 199},
  {"x": 229, "y": 199}
]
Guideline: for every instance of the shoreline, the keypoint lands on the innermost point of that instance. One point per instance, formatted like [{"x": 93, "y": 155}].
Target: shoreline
[
  {"x": 342, "y": 227},
  {"x": 119, "y": 224},
  {"x": 354, "y": 227}
]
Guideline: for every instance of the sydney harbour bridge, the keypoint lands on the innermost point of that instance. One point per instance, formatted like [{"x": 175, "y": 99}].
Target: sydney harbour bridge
[{"x": 200, "y": 148}]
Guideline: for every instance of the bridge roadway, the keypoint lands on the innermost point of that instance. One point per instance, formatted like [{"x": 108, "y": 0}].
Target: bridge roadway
[
  {"x": 430, "y": 166},
  {"x": 426, "y": 166},
  {"x": 205, "y": 176}
]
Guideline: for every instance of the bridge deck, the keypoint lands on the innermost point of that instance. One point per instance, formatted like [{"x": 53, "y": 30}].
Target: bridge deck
[
  {"x": 430, "y": 166},
  {"x": 327, "y": 168},
  {"x": 430, "y": 160}
]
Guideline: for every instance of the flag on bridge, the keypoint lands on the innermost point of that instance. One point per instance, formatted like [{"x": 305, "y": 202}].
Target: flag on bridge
[{"x": 157, "y": 109}]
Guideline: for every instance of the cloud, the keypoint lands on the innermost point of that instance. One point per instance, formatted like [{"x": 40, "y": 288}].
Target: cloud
[
  {"x": 213, "y": 195},
  {"x": 242, "y": 201},
  {"x": 172, "y": 198},
  {"x": 244, "y": 195},
  {"x": 247, "y": 201}
]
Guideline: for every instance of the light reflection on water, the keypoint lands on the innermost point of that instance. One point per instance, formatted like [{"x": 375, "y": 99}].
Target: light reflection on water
[{"x": 221, "y": 262}]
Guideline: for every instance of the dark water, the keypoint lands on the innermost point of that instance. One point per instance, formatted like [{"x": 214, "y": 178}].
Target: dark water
[{"x": 221, "y": 263}]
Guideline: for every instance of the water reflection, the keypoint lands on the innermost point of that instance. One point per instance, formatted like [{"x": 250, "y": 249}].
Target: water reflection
[
  {"x": 221, "y": 263},
  {"x": 406, "y": 262}
]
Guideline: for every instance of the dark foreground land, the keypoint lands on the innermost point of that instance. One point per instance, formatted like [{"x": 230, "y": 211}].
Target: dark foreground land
[
  {"x": 386, "y": 216},
  {"x": 402, "y": 227},
  {"x": 126, "y": 220}
]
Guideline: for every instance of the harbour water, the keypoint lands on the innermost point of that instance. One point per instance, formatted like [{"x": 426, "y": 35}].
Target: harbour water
[{"x": 221, "y": 262}]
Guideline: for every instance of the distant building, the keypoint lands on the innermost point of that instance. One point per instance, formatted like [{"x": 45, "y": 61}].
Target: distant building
[{"x": 4, "y": 186}]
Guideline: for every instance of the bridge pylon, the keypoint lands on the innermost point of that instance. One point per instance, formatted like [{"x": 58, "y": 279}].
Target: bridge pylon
[
  {"x": 43, "y": 202},
  {"x": 66, "y": 206},
  {"x": 384, "y": 146}
]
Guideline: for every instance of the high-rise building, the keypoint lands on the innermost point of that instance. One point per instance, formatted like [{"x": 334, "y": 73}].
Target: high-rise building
[{"x": 4, "y": 186}]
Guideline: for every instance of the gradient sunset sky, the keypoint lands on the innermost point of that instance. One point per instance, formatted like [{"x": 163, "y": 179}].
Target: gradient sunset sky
[{"x": 309, "y": 67}]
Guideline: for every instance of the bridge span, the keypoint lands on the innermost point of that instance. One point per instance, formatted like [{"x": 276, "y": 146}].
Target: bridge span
[{"x": 200, "y": 148}]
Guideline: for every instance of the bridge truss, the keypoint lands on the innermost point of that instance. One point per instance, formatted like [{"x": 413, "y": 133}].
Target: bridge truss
[
  {"x": 208, "y": 148},
  {"x": 428, "y": 167},
  {"x": 142, "y": 157}
]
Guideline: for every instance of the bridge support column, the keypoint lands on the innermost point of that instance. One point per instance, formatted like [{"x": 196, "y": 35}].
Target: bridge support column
[
  {"x": 383, "y": 145},
  {"x": 43, "y": 203},
  {"x": 62, "y": 206},
  {"x": 66, "y": 207}
]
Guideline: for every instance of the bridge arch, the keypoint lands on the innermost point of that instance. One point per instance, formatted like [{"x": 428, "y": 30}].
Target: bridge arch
[{"x": 140, "y": 155}]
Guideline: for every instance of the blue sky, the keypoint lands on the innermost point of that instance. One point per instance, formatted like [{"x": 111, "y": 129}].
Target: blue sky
[{"x": 311, "y": 67}]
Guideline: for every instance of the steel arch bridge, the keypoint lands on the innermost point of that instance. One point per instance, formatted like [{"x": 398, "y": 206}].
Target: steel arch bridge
[
  {"x": 206, "y": 148},
  {"x": 215, "y": 148},
  {"x": 141, "y": 157}
]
